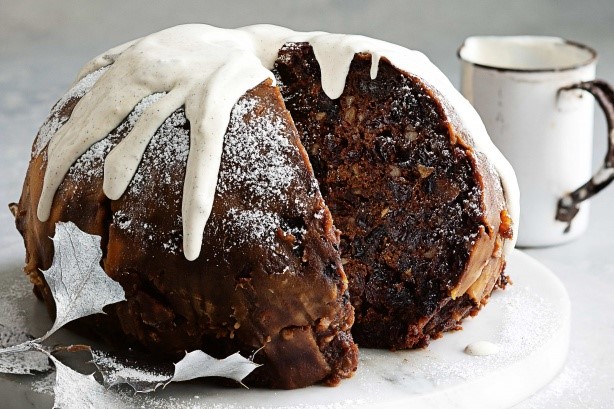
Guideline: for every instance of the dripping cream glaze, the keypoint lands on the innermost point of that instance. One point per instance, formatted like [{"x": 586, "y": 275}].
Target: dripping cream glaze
[{"x": 206, "y": 70}]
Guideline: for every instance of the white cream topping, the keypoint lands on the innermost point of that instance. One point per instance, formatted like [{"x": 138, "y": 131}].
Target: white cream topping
[
  {"x": 207, "y": 69},
  {"x": 481, "y": 348}
]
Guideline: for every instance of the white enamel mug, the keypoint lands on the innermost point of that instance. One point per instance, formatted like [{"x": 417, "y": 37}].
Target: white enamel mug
[{"x": 530, "y": 93}]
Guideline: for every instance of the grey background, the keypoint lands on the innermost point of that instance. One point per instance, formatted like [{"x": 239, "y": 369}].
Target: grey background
[{"x": 44, "y": 43}]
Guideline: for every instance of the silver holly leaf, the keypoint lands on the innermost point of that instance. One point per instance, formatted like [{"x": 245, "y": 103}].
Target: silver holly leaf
[
  {"x": 197, "y": 364},
  {"x": 80, "y": 287},
  {"x": 17, "y": 356},
  {"x": 74, "y": 390}
]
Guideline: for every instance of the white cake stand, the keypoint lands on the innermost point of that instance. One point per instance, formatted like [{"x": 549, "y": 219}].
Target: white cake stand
[{"x": 529, "y": 321}]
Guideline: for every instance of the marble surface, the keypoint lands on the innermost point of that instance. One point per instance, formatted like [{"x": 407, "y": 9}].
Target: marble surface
[{"x": 44, "y": 43}]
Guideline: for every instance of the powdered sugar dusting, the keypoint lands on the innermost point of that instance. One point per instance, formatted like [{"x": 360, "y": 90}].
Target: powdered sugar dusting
[
  {"x": 574, "y": 384},
  {"x": 260, "y": 160},
  {"x": 11, "y": 295},
  {"x": 166, "y": 152},
  {"x": 157, "y": 175},
  {"x": 150, "y": 402},
  {"x": 526, "y": 322},
  {"x": 127, "y": 373},
  {"x": 23, "y": 363},
  {"x": 90, "y": 164},
  {"x": 169, "y": 146},
  {"x": 55, "y": 119},
  {"x": 44, "y": 384},
  {"x": 255, "y": 226},
  {"x": 116, "y": 372},
  {"x": 122, "y": 220},
  {"x": 140, "y": 108}
]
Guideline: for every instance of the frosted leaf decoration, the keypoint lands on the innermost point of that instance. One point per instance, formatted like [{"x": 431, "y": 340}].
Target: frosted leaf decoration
[
  {"x": 80, "y": 287},
  {"x": 20, "y": 359},
  {"x": 74, "y": 390},
  {"x": 196, "y": 364}
]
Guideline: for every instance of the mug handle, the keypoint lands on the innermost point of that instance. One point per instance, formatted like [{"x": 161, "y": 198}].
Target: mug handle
[{"x": 567, "y": 207}]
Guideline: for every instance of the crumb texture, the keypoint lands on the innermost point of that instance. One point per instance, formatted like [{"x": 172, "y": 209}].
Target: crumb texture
[{"x": 403, "y": 189}]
